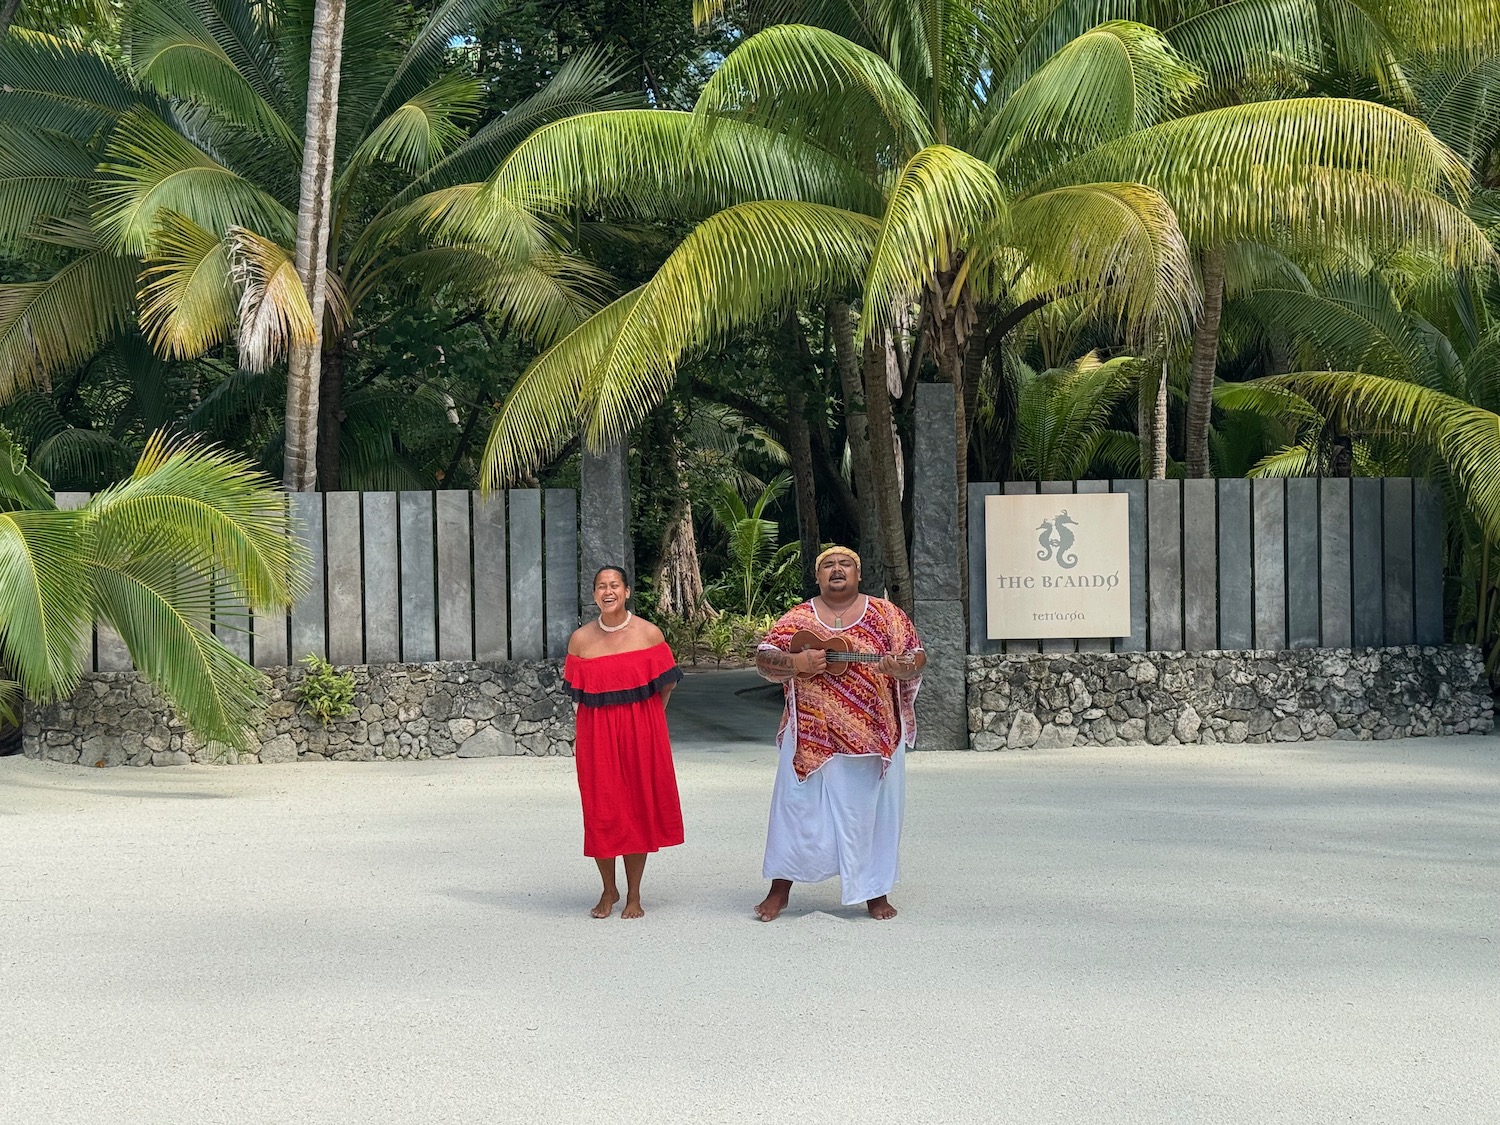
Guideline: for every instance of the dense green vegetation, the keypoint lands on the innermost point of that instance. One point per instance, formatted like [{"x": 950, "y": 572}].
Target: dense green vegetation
[{"x": 1139, "y": 237}]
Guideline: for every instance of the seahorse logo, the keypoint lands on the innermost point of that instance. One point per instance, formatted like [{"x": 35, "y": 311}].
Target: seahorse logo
[
  {"x": 1063, "y": 539},
  {"x": 1046, "y": 541}
]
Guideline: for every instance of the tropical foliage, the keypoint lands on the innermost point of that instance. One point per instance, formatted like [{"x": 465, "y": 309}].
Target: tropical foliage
[
  {"x": 1164, "y": 237},
  {"x": 187, "y": 533}
]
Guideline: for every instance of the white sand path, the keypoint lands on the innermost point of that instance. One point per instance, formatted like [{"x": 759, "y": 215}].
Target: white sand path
[{"x": 1259, "y": 934}]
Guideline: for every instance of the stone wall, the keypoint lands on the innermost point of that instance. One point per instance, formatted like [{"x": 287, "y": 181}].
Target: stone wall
[
  {"x": 1168, "y": 698},
  {"x": 438, "y": 710}
]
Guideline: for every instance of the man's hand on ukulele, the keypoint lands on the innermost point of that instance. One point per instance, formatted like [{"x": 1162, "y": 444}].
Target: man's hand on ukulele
[
  {"x": 810, "y": 662},
  {"x": 902, "y": 667}
]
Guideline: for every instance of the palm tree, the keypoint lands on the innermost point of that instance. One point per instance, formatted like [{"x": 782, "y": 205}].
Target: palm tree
[
  {"x": 314, "y": 227},
  {"x": 166, "y": 186},
  {"x": 983, "y": 161},
  {"x": 1062, "y": 419},
  {"x": 149, "y": 557},
  {"x": 757, "y": 563}
]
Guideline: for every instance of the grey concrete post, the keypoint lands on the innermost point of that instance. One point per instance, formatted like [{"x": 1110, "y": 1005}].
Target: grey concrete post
[
  {"x": 604, "y": 510},
  {"x": 942, "y": 705}
]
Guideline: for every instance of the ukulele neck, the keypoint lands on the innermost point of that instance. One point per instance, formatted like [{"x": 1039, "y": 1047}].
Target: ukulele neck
[{"x": 855, "y": 657}]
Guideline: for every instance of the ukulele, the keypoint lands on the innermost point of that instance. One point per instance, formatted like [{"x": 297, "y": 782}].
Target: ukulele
[{"x": 840, "y": 655}]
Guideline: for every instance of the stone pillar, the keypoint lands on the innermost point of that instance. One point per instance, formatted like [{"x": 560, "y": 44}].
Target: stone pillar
[
  {"x": 604, "y": 520},
  {"x": 942, "y": 705}
]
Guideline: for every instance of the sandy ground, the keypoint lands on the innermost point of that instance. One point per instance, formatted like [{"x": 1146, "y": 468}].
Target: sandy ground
[{"x": 1287, "y": 934}]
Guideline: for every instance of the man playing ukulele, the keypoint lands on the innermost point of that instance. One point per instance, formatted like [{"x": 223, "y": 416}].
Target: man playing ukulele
[{"x": 840, "y": 784}]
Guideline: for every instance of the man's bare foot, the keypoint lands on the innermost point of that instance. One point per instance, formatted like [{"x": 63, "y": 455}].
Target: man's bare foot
[
  {"x": 770, "y": 907},
  {"x": 632, "y": 909},
  {"x": 880, "y": 908},
  {"x": 606, "y": 905}
]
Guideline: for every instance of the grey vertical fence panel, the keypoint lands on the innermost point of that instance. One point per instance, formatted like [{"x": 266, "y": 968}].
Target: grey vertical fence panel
[
  {"x": 1365, "y": 557},
  {"x": 232, "y": 622},
  {"x": 346, "y": 599},
  {"x": 979, "y": 588},
  {"x": 1427, "y": 563},
  {"x": 382, "y": 584},
  {"x": 561, "y": 561},
  {"x": 1139, "y": 634},
  {"x": 1200, "y": 565},
  {"x": 268, "y": 643},
  {"x": 1021, "y": 488},
  {"x": 1400, "y": 621},
  {"x": 1164, "y": 541},
  {"x": 491, "y": 594},
  {"x": 310, "y": 610},
  {"x": 527, "y": 639},
  {"x": 1058, "y": 488},
  {"x": 1236, "y": 574},
  {"x": 1337, "y": 591},
  {"x": 1302, "y": 562},
  {"x": 418, "y": 588},
  {"x": 455, "y": 603},
  {"x": 1093, "y": 644},
  {"x": 1268, "y": 505}
]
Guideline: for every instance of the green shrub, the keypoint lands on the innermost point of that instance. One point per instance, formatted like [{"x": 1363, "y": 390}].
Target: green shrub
[{"x": 324, "y": 693}]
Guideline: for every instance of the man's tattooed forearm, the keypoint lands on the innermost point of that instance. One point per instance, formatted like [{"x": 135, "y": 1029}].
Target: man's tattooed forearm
[{"x": 779, "y": 660}]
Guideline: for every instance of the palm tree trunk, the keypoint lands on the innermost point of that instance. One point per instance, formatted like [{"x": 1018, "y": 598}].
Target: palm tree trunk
[
  {"x": 799, "y": 446},
  {"x": 7, "y": 14},
  {"x": 883, "y": 469},
  {"x": 857, "y": 423},
  {"x": 1204, "y": 363},
  {"x": 1159, "y": 428},
  {"x": 330, "y": 417},
  {"x": 679, "y": 577},
  {"x": 314, "y": 219}
]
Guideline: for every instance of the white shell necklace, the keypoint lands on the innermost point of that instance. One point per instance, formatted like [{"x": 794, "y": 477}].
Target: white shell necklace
[{"x": 614, "y": 628}]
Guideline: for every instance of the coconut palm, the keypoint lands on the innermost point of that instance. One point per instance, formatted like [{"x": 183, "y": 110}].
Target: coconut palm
[
  {"x": 149, "y": 557},
  {"x": 982, "y": 160},
  {"x": 166, "y": 186}
]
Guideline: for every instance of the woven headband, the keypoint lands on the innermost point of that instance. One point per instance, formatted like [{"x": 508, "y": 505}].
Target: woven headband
[{"x": 836, "y": 550}]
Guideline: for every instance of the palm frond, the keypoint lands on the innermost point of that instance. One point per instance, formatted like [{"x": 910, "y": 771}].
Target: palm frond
[
  {"x": 1466, "y": 437},
  {"x": 1111, "y": 81},
  {"x": 543, "y": 297},
  {"x": 938, "y": 205},
  {"x": 191, "y": 52},
  {"x": 211, "y": 513},
  {"x": 420, "y": 130},
  {"x": 45, "y": 611},
  {"x": 42, "y": 176},
  {"x": 1234, "y": 41},
  {"x": 1118, "y": 242},
  {"x": 48, "y": 326},
  {"x": 274, "y": 312},
  {"x": 151, "y": 168},
  {"x": 583, "y": 84},
  {"x": 20, "y": 485},
  {"x": 659, "y": 163},
  {"x": 731, "y": 272},
  {"x": 47, "y": 84},
  {"x": 815, "y": 83},
  {"x": 187, "y": 295}
]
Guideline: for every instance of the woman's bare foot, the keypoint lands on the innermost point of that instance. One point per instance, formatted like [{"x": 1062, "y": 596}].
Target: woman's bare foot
[
  {"x": 880, "y": 908},
  {"x": 632, "y": 908},
  {"x": 606, "y": 905},
  {"x": 770, "y": 907}
]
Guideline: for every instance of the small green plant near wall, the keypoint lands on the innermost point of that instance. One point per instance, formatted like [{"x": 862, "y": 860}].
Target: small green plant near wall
[{"x": 324, "y": 693}]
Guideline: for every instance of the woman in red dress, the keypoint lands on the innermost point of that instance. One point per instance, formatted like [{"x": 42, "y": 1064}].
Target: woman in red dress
[{"x": 620, "y": 672}]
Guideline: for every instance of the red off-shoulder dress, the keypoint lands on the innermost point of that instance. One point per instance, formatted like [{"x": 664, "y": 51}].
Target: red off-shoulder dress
[{"x": 622, "y": 753}]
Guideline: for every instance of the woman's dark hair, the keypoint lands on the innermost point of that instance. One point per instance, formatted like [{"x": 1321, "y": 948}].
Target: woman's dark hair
[{"x": 620, "y": 570}]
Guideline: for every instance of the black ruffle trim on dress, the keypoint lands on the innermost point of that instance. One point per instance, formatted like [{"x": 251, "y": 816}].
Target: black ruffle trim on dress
[{"x": 626, "y": 695}]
